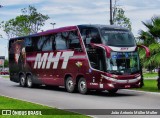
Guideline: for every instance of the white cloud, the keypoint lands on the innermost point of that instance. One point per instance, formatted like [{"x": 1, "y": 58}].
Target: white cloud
[
  {"x": 63, "y": 1},
  {"x": 58, "y": 10},
  {"x": 10, "y": 13},
  {"x": 18, "y": 2}
]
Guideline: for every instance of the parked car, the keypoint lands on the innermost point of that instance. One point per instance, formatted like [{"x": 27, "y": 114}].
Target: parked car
[{"x": 4, "y": 72}]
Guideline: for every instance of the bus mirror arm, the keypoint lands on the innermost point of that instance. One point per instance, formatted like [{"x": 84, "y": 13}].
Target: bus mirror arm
[
  {"x": 146, "y": 49},
  {"x": 106, "y": 48}
]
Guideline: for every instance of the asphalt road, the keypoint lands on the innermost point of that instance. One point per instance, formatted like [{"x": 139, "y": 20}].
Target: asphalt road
[{"x": 59, "y": 98}]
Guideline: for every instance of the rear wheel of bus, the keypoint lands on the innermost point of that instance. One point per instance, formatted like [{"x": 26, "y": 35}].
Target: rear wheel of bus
[
  {"x": 82, "y": 86},
  {"x": 29, "y": 81},
  {"x": 70, "y": 86},
  {"x": 22, "y": 81}
]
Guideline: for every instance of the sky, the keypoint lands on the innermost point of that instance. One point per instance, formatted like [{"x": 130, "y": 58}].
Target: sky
[{"x": 75, "y": 12}]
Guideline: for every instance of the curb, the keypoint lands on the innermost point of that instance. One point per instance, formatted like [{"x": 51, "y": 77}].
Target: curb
[{"x": 156, "y": 93}]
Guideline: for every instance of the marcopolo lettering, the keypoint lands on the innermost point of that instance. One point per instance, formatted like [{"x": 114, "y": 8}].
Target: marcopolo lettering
[{"x": 44, "y": 61}]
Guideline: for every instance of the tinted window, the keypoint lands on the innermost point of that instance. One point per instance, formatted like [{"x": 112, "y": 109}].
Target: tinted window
[
  {"x": 74, "y": 41},
  {"x": 90, "y": 35},
  {"x": 45, "y": 43},
  {"x": 28, "y": 42},
  {"x": 118, "y": 38},
  {"x": 60, "y": 42},
  {"x": 31, "y": 44}
]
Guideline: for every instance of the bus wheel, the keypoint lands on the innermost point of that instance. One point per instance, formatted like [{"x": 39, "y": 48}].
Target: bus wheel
[
  {"x": 29, "y": 81},
  {"x": 22, "y": 81},
  {"x": 70, "y": 86},
  {"x": 113, "y": 91},
  {"x": 82, "y": 86}
]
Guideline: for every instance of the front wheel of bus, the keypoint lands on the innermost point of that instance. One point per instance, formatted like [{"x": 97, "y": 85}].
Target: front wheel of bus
[
  {"x": 29, "y": 81},
  {"x": 82, "y": 86},
  {"x": 70, "y": 86},
  {"x": 22, "y": 81}
]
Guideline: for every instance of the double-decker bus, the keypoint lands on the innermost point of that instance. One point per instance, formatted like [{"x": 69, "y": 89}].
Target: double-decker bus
[{"x": 83, "y": 57}]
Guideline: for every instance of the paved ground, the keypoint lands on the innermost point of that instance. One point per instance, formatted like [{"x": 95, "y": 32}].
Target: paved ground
[{"x": 124, "y": 99}]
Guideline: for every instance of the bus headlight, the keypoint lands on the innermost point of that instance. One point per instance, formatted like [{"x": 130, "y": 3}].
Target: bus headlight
[
  {"x": 109, "y": 78},
  {"x": 138, "y": 78}
]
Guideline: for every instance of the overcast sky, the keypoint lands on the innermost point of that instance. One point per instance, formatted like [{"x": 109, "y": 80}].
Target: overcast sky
[{"x": 74, "y": 12}]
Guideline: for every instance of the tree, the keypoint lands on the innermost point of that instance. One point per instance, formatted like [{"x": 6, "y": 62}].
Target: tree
[
  {"x": 6, "y": 63},
  {"x": 119, "y": 17},
  {"x": 29, "y": 22},
  {"x": 150, "y": 38}
]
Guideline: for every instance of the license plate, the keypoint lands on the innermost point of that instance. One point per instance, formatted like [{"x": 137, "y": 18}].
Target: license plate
[{"x": 127, "y": 86}]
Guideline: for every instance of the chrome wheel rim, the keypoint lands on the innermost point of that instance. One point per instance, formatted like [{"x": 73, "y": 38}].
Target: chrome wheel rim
[
  {"x": 22, "y": 81},
  {"x": 70, "y": 84},
  {"x": 82, "y": 85},
  {"x": 29, "y": 82}
]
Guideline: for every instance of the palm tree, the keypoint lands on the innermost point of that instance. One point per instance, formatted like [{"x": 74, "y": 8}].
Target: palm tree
[{"x": 151, "y": 38}]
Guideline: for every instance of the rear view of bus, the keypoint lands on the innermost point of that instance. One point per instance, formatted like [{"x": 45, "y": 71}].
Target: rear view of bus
[{"x": 83, "y": 58}]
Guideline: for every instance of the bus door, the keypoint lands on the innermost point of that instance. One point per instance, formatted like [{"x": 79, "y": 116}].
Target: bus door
[{"x": 96, "y": 55}]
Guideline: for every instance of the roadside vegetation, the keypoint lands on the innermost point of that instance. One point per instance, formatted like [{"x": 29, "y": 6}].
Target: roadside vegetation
[
  {"x": 150, "y": 75},
  {"x": 7, "y": 76},
  {"x": 149, "y": 85},
  {"x": 150, "y": 38},
  {"x": 9, "y": 103}
]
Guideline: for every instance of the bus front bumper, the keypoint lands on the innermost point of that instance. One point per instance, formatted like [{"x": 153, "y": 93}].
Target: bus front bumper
[{"x": 111, "y": 83}]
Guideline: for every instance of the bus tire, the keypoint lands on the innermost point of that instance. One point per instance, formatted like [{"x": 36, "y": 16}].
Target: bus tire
[
  {"x": 82, "y": 86},
  {"x": 22, "y": 81},
  {"x": 29, "y": 81},
  {"x": 70, "y": 86},
  {"x": 113, "y": 91}
]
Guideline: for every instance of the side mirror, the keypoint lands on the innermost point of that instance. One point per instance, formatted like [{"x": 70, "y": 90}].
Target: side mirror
[{"x": 146, "y": 49}]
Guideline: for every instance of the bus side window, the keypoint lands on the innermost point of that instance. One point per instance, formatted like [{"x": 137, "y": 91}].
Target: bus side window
[
  {"x": 74, "y": 41},
  {"x": 90, "y": 35},
  {"x": 46, "y": 43},
  {"x": 28, "y": 44},
  {"x": 60, "y": 42},
  {"x": 95, "y": 37}
]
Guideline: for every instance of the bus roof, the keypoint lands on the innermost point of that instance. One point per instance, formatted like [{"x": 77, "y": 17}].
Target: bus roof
[
  {"x": 52, "y": 31},
  {"x": 69, "y": 28},
  {"x": 98, "y": 26}
]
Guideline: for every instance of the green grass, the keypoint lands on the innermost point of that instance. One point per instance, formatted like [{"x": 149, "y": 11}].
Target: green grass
[
  {"x": 9, "y": 103},
  {"x": 149, "y": 85},
  {"x": 150, "y": 75},
  {"x": 7, "y": 76}
]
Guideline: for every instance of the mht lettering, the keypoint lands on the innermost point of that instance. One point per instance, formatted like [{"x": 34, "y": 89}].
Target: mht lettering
[{"x": 44, "y": 61}]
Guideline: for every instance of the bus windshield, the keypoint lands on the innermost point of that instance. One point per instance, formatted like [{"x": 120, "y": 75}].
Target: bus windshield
[
  {"x": 118, "y": 38},
  {"x": 121, "y": 63}
]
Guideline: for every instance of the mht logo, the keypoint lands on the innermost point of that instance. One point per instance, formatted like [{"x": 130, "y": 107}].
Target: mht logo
[{"x": 45, "y": 61}]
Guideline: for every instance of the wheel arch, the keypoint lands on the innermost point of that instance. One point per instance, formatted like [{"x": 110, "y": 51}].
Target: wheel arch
[
  {"x": 21, "y": 73},
  {"x": 65, "y": 78}
]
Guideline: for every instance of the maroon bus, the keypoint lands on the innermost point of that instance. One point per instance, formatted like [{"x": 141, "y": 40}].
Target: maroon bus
[{"x": 83, "y": 57}]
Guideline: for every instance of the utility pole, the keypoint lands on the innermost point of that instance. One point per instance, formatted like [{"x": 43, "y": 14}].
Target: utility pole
[{"x": 111, "y": 13}]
